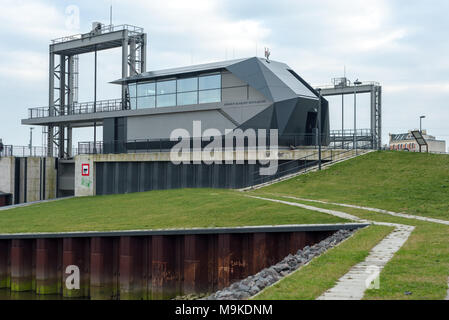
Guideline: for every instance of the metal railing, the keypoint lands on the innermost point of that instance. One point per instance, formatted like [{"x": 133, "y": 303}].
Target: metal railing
[
  {"x": 26, "y": 151},
  {"x": 165, "y": 145},
  {"x": 309, "y": 141},
  {"x": 333, "y": 86},
  {"x": 351, "y": 132},
  {"x": 304, "y": 164},
  {"x": 133, "y": 30},
  {"x": 78, "y": 108}
]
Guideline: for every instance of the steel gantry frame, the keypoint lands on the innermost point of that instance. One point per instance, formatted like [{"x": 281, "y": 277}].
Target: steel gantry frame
[
  {"x": 63, "y": 76},
  {"x": 343, "y": 87}
]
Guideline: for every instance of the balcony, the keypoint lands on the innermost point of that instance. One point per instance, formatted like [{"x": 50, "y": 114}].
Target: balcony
[{"x": 77, "y": 109}]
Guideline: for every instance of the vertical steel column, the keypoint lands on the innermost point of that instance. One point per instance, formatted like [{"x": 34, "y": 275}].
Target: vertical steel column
[
  {"x": 195, "y": 264},
  {"x": 21, "y": 265},
  {"x": 166, "y": 267},
  {"x": 5, "y": 279},
  {"x": 76, "y": 252},
  {"x": 47, "y": 281},
  {"x": 62, "y": 100},
  {"x": 342, "y": 120},
  {"x": 297, "y": 241},
  {"x": 103, "y": 273},
  {"x": 373, "y": 117},
  {"x": 143, "y": 54},
  {"x": 132, "y": 269},
  {"x": 70, "y": 100},
  {"x": 124, "y": 65},
  {"x": 259, "y": 252},
  {"x": 51, "y": 100},
  {"x": 379, "y": 117},
  {"x": 224, "y": 260},
  {"x": 132, "y": 57}
]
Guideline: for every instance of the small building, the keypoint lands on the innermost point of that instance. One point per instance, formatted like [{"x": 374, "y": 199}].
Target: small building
[{"x": 406, "y": 142}]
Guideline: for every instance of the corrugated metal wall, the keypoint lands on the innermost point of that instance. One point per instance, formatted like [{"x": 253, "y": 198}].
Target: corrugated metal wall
[{"x": 127, "y": 177}]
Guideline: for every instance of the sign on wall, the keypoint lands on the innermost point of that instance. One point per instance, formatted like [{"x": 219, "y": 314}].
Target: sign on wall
[{"x": 85, "y": 169}]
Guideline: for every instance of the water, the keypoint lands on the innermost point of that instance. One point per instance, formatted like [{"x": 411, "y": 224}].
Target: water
[{"x": 6, "y": 294}]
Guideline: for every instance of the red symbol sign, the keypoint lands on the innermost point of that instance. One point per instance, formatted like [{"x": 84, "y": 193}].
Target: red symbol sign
[{"x": 85, "y": 169}]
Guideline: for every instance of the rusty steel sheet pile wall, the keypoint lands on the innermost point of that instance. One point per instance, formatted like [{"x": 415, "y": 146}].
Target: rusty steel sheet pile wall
[{"x": 144, "y": 267}]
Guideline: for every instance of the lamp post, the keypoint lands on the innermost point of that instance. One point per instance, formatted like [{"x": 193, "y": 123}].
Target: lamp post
[
  {"x": 31, "y": 141},
  {"x": 420, "y": 123},
  {"x": 319, "y": 128},
  {"x": 356, "y": 83}
]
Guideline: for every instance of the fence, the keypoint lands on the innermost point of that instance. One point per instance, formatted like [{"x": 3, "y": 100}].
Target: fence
[
  {"x": 78, "y": 108},
  {"x": 26, "y": 151}
]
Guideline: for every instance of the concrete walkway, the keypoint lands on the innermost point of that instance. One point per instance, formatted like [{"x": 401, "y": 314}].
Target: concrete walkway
[
  {"x": 352, "y": 285},
  {"x": 391, "y": 213}
]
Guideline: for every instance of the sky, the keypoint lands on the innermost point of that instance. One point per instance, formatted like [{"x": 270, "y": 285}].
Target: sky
[{"x": 402, "y": 44}]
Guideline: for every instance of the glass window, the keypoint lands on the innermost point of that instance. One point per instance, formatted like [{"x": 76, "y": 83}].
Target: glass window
[
  {"x": 210, "y": 82},
  {"x": 209, "y": 96},
  {"x": 132, "y": 90},
  {"x": 164, "y": 87},
  {"x": 189, "y": 84},
  {"x": 186, "y": 98},
  {"x": 166, "y": 100},
  {"x": 146, "y": 89},
  {"x": 146, "y": 102},
  {"x": 133, "y": 103}
]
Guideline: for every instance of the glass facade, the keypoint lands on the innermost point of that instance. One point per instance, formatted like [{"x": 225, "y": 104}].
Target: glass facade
[{"x": 179, "y": 92}]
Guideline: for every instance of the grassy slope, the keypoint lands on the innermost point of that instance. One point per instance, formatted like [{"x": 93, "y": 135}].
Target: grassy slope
[
  {"x": 398, "y": 181},
  {"x": 421, "y": 266},
  {"x": 155, "y": 210},
  {"x": 323, "y": 272}
]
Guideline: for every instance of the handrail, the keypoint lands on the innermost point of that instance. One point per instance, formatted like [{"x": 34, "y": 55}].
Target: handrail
[
  {"x": 78, "y": 108},
  {"x": 134, "y": 30}
]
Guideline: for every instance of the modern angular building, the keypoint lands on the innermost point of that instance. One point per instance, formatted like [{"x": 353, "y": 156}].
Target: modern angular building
[{"x": 251, "y": 93}]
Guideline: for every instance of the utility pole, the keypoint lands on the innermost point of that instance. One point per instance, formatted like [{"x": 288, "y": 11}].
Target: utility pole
[
  {"x": 95, "y": 103},
  {"x": 31, "y": 140},
  {"x": 356, "y": 83},
  {"x": 319, "y": 129}
]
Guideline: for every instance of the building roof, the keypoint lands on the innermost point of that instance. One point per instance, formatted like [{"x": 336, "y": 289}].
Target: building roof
[
  {"x": 275, "y": 80},
  {"x": 401, "y": 137},
  {"x": 179, "y": 71}
]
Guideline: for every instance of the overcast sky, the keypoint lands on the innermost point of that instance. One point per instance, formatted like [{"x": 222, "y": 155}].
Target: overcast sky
[{"x": 402, "y": 44}]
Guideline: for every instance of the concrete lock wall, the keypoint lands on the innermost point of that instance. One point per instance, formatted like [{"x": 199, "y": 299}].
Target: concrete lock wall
[
  {"x": 7, "y": 166},
  {"x": 28, "y": 179},
  {"x": 138, "y": 172}
]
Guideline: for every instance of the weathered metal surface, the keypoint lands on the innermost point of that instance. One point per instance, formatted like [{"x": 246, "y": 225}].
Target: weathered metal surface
[
  {"x": 132, "y": 266},
  {"x": 76, "y": 252},
  {"x": 145, "y": 267},
  {"x": 103, "y": 268},
  {"x": 21, "y": 265},
  {"x": 183, "y": 232},
  {"x": 167, "y": 267},
  {"x": 5, "y": 264},
  {"x": 46, "y": 266}
]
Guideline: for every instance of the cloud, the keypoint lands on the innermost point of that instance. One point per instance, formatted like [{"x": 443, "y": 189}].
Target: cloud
[
  {"x": 24, "y": 66},
  {"x": 32, "y": 19}
]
